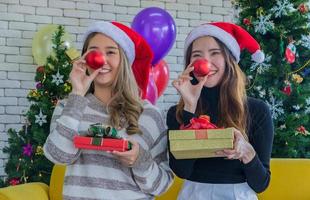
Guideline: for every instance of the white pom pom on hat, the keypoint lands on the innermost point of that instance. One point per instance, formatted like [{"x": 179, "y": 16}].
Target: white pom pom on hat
[{"x": 233, "y": 36}]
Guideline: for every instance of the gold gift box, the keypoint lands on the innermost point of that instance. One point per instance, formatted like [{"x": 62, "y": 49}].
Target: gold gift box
[{"x": 203, "y": 143}]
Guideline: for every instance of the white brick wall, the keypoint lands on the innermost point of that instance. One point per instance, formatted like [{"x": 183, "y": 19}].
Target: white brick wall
[{"x": 20, "y": 19}]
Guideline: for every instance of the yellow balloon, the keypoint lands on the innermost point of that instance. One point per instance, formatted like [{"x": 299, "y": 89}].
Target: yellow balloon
[{"x": 42, "y": 43}]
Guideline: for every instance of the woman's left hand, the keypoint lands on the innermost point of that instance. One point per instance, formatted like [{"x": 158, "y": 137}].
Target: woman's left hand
[
  {"x": 128, "y": 158},
  {"x": 242, "y": 150}
]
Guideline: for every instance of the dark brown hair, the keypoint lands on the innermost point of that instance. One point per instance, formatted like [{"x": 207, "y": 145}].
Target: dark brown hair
[{"x": 232, "y": 104}]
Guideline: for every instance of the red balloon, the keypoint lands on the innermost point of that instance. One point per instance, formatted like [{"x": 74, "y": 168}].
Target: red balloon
[
  {"x": 161, "y": 76},
  {"x": 151, "y": 90},
  {"x": 201, "y": 67},
  {"x": 95, "y": 59}
]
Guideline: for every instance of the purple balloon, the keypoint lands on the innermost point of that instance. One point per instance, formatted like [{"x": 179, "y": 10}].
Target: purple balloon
[
  {"x": 151, "y": 90},
  {"x": 157, "y": 27}
]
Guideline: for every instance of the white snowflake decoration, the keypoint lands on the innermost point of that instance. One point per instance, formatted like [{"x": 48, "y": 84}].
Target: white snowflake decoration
[
  {"x": 282, "y": 8},
  {"x": 66, "y": 64},
  {"x": 283, "y": 126},
  {"x": 308, "y": 15},
  {"x": 263, "y": 24},
  {"x": 40, "y": 118},
  {"x": 297, "y": 116},
  {"x": 58, "y": 78},
  {"x": 261, "y": 92},
  {"x": 296, "y": 107},
  {"x": 308, "y": 101},
  {"x": 261, "y": 67},
  {"x": 275, "y": 107},
  {"x": 258, "y": 88},
  {"x": 305, "y": 41},
  {"x": 307, "y": 111}
]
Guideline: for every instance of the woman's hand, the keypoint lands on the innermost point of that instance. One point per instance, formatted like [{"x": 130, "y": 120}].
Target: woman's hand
[
  {"x": 79, "y": 79},
  {"x": 128, "y": 158},
  {"x": 190, "y": 93},
  {"x": 242, "y": 150}
]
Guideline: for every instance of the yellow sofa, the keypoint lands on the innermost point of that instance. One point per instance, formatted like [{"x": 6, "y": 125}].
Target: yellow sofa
[{"x": 290, "y": 181}]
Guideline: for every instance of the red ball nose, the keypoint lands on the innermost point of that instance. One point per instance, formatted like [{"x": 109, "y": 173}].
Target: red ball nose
[
  {"x": 95, "y": 59},
  {"x": 201, "y": 67}
]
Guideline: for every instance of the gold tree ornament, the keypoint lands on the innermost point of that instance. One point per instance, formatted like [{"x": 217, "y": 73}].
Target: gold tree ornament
[
  {"x": 73, "y": 54},
  {"x": 67, "y": 87},
  {"x": 34, "y": 94},
  {"x": 297, "y": 78},
  {"x": 39, "y": 150}
]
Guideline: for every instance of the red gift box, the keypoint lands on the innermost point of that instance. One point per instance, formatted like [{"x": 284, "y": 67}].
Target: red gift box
[{"x": 103, "y": 144}]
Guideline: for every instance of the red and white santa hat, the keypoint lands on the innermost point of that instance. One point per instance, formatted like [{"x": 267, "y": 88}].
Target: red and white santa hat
[
  {"x": 233, "y": 36},
  {"x": 137, "y": 50}
]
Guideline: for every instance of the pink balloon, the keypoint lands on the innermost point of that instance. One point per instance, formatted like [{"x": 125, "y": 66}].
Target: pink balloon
[{"x": 151, "y": 91}]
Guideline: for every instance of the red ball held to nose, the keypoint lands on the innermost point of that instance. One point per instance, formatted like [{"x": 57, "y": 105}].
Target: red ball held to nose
[
  {"x": 201, "y": 67},
  {"x": 95, "y": 59}
]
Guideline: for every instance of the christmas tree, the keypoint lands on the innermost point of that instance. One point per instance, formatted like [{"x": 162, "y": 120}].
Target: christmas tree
[
  {"x": 26, "y": 161},
  {"x": 282, "y": 28}
]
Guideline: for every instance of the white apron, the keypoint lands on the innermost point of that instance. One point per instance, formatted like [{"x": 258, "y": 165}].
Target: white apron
[{"x": 207, "y": 191}]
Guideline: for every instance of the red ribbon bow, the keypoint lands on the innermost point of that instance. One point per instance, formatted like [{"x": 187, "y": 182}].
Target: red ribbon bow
[{"x": 202, "y": 122}]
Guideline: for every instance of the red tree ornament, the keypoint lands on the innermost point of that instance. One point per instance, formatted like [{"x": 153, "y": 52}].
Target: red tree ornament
[
  {"x": 290, "y": 53},
  {"x": 40, "y": 69},
  {"x": 201, "y": 67},
  {"x": 302, "y": 130},
  {"x": 302, "y": 8},
  {"x": 14, "y": 181},
  {"x": 95, "y": 59},
  {"x": 246, "y": 21},
  {"x": 287, "y": 90}
]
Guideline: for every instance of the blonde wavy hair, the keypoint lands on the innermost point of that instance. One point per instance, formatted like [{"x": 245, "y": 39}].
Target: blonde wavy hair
[
  {"x": 125, "y": 106},
  {"x": 233, "y": 111}
]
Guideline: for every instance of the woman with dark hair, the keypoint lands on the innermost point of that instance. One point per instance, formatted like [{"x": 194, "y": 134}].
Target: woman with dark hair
[
  {"x": 110, "y": 95},
  {"x": 243, "y": 171}
]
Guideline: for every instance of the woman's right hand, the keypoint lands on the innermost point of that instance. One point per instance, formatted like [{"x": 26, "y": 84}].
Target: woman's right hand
[
  {"x": 190, "y": 93},
  {"x": 79, "y": 79}
]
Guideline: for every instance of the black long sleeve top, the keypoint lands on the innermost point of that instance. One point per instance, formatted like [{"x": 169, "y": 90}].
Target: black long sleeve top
[{"x": 220, "y": 170}]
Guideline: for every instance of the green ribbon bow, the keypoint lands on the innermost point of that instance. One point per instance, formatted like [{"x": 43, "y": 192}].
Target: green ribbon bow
[{"x": 100, "y": 130}]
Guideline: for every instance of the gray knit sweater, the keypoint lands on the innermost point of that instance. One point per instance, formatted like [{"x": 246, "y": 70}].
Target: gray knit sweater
[{"x": 94, "y": 175}]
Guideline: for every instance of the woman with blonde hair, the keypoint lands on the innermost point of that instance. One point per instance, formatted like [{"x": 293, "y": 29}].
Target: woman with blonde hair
[{"x": 110, "y": 95}]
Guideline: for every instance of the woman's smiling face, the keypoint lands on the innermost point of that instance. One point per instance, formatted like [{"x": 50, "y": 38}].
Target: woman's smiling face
[
  {"x": 111, "y": 53},
  {"x": 207, "y": 47}
]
